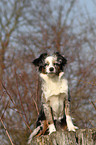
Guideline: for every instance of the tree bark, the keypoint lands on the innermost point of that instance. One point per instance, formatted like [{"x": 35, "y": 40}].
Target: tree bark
[{"x": 80, "y": 137}]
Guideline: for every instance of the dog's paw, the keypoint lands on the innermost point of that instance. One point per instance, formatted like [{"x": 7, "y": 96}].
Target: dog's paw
[
  {"x": 52, "y": 128},
  {"x": 70, "y": 125},
  {"x": 72, "y": 128}
]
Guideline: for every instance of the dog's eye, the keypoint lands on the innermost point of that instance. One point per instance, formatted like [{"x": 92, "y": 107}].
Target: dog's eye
[
  {"x": 46, "y": 64},
  {"x": 55, "y": 64}
]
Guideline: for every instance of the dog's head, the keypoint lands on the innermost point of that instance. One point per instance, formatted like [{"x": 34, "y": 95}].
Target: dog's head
[{"x": 50, "y": 64}]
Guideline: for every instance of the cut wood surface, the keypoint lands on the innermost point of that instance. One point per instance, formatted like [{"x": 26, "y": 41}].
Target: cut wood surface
[{"x": 80, "y": 137}]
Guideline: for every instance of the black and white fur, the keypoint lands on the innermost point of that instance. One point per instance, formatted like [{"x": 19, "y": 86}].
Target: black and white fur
[{"x": 55, "y": 93}]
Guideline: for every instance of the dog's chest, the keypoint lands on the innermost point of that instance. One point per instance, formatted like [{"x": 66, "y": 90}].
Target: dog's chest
[
  {"x": 54, "y": 92},
  {"x": 54, "y": 87}
]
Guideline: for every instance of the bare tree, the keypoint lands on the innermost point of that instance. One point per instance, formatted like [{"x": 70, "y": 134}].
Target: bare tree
[{"x": 29, "y": 28}]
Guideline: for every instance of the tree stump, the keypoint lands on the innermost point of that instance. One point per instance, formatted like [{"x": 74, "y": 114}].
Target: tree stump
[{"x": 80, "y": 137}]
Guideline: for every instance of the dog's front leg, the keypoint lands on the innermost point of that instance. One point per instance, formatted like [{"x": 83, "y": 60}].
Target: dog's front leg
[
  {"x": 49, "y": 118},
  {"x": 70, "y": 124}
]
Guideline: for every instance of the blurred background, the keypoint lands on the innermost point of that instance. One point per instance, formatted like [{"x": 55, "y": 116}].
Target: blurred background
[{"x": 29, "y": 28}]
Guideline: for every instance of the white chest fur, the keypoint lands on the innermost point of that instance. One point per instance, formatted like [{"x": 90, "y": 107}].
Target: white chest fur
[
  {"x": 54, "y": 85},
  {"x": 55, "y": 90}
]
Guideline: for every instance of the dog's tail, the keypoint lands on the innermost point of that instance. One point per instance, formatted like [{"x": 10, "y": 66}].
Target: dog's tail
[
  {"x": 40, "y": 130},
  {"x": 34, "y": 133}
]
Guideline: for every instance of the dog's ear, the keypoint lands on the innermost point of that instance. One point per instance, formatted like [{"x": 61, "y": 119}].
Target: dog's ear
[
  {"x": 38, "y": 61},
  {"x": 61, "y": 59}
]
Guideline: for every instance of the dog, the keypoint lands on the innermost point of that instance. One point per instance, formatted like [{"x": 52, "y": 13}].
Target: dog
[{"x": 55, "y": 99}]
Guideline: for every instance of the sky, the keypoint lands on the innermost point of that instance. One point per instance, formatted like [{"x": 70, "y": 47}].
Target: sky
[{"x": 90, "y": 6}]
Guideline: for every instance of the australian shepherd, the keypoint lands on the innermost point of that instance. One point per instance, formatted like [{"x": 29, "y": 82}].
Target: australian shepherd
[{"x": 55, "y": 99}]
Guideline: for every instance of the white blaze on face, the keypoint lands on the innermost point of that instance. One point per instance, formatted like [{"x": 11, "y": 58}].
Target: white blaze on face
[{"x": 50, "y": 63}]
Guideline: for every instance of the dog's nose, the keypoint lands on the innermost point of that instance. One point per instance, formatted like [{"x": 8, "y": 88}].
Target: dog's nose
[{"x": 51, "y": 69}]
